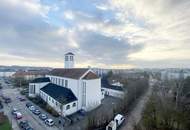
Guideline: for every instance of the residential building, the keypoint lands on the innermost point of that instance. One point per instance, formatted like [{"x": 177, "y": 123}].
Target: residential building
[
  {"x": 114, "y": 90},
  {"x": 30, "y": 75},
  {"x": 7, "y": 73}
]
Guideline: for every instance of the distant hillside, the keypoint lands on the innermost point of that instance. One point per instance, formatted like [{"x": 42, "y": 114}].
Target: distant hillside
[{"x": 25, "y": 68}]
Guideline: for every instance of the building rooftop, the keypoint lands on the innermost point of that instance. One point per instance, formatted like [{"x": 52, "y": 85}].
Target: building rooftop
[
  {"x": 41, "y": 80},
  {"x": 105, "y": 84},
  {"x": 69, "y": 53},
  {"x": 73, "y": 73},
  {"x": 90, "y": 75},
  {"x": 61, "y": 94}
]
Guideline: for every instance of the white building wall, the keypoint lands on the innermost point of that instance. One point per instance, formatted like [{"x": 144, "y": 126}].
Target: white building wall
[
  {"x": 38, "y": 86},
  {"x": 71, "y": 110},
  {"x": 57, "y": 106},
  {"x": 93, "y": 90},
  {"x": 93, "y": 93},
  {"x": 6, "y": 74}
]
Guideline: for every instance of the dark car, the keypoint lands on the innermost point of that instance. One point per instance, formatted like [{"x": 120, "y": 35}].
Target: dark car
[
  {"x": 1, "y": 106},
  {"x": 28, "y": 128},
  {"x": 36, "y": 112},
  {"x": 22, "y": 99},
  {"x": 82, "y": 112},
  {"x": 23, "y": 124},
  {"x": 7, "y": 100},
  {"x": 28, "y": 104},
  {"x": 43, "y": 117}
]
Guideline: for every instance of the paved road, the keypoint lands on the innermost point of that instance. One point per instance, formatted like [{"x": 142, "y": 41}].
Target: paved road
[
  {"x": 135, "y": 115},
  {"x": 34, "y": 121}
]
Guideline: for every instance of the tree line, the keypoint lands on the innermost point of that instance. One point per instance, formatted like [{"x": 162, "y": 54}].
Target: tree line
[{"x": 168, "y": 108}]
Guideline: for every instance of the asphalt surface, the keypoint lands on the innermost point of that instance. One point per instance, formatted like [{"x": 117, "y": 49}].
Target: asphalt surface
[{"x": 34, "y": 120}]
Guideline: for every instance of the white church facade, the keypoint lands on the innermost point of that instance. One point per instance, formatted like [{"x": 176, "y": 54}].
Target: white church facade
[{"x": 68, "y": 89}]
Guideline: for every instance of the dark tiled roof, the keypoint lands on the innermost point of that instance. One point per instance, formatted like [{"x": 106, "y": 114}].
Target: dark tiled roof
[
  {"x": 105, "y": 84},
  {"x": 90, "y": 75},
  {"x": 69, "y": 53},
  {"x": 59, "y": 93},
  {"x": 74, "y": 73},
  {"x": 41, "y": 80}
]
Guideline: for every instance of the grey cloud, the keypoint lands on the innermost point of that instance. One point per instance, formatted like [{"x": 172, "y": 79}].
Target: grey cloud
[
  {"x": 106, "y": 49},
  {"x": 29, "y": 36}
]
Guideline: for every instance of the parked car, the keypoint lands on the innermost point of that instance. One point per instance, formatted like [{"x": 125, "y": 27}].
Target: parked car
[
  {"x": 23, "y": 124},
  {"x": 82, "y": 112},
  {"x": 28, "y": 104},
  {"x": 36, "y": 112},
  {"x": 7, "y": 100},
  {"x": 32, "y": 108},
  {"x": 28, "y": 128},
  {"x": 49, "y": 122},
  {"x": 22, "y": 99},
  {"x": 43, "y": 117},
  {"x": 18, "y": 115},
  {"x": 14, "y": 110},
  {"x": 1, "y": 105}
]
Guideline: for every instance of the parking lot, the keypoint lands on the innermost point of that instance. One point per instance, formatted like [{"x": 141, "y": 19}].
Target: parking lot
[{"x": 33, "y": 119}]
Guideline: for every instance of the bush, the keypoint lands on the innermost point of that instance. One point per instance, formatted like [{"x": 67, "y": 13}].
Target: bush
[
  {"x": 24, "y": 92},
  {"x": 3, "y": 118}
]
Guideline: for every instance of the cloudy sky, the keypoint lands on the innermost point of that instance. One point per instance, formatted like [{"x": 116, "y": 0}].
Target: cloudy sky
[{"x": 102, "y": 33}]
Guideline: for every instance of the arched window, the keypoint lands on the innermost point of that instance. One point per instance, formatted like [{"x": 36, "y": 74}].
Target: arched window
[
  {"x": 67, "y": 107},
  {"x": 74, "y": 104}
]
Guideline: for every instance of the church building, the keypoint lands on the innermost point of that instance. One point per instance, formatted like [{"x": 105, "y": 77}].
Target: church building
[{"x": 68, "y": 89}]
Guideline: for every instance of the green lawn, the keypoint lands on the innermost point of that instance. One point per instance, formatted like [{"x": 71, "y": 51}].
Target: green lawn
[{"x": 6, "y": 126}]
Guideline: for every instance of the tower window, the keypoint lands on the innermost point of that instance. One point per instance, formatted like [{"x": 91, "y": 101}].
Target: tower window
[
  {"x": 71, "y": 58},
  {"x": 66, "y": 58}
]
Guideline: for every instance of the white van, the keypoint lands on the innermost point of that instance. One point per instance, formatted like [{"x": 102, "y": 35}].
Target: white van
[{"x": 119, "y": 119}]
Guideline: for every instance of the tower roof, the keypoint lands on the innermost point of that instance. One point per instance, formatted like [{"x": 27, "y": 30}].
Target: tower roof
[{"x": 69, "y": 53}]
